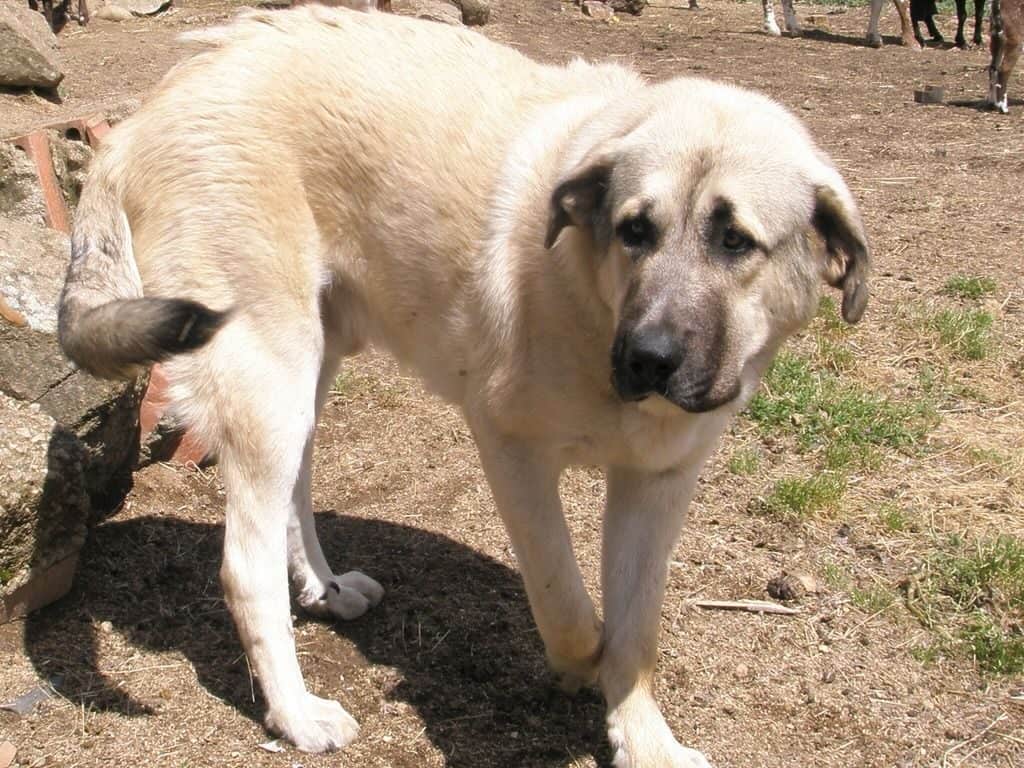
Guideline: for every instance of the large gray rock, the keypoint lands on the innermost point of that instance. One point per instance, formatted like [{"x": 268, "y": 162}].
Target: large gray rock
[
  {"x": 20, "y": 196},
  {"x": 28, "y": 48},
  {"x": 33, "y": 260},
  {"x": 431, "y": 10},
  {"x": 474, "y": 12},
  {"x": 104, "y": 415},
  {"x": 71, "y": 160},
  {"x": 44, "y": 507}
]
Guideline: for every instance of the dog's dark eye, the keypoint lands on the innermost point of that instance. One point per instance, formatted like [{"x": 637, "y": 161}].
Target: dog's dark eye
[
  {"x": 735, "y": 241},
  {"x": 637, "y": 232}
]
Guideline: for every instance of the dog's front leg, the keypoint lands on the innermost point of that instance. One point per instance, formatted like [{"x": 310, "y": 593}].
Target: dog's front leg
[
  {"x": 524, "y": 480},
  {"x": 644, "y": 515}
]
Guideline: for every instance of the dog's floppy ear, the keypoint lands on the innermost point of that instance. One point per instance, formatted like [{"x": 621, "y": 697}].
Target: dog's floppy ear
[
  {"x": 837, "y": 221},
  {"x": 578, "y": 198}
]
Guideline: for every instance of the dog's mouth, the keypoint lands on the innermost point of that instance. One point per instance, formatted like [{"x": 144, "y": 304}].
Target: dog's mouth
[
  {"x": 693, "y": 388},
  {"x": 687, "y": 403},
  {"x": 695, "y": 395}
]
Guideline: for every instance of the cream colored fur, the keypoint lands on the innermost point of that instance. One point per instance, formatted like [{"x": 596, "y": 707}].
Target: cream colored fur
[{"x": 335, "y": 179}]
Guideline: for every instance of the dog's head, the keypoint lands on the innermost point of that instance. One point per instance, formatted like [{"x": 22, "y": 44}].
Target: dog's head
[{"x": 711, "y": 220}]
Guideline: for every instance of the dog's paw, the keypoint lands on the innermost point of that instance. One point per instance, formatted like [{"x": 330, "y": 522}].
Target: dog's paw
[
  {"x": 318, "y": 725},
  {"x": 685, "y": 757},
  {"x": 577, "y": 666},
  {"x": 639, "y": 738},
  {"x": 348, "y": 596},
  {"x": 572, "y": 675},
  {"x": 674, "y": 756}
]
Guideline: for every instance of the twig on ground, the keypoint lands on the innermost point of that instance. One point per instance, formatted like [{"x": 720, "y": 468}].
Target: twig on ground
[
  {"x": 753, "y": 606},
  {"x": 962, "y": 744}
]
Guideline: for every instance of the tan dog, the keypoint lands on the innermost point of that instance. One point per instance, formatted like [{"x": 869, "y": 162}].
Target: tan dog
[{"x": 597, "y": 270}]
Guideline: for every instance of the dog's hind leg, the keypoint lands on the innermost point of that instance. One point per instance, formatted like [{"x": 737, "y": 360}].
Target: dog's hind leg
[
  {"x": 267, "y": 411},
  {"x": 524, "y": 482},
  {"x": 320, "y": 591},
  {"x": 644, "y": 515}
]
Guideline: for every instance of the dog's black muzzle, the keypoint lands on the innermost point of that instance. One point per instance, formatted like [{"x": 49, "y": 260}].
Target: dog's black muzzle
[{"x": 653, "y": 361}]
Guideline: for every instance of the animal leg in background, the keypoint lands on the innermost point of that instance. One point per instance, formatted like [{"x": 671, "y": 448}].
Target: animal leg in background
[
  {"x": 925, "y": 10},
  {"x": 1007, "y": 38}
]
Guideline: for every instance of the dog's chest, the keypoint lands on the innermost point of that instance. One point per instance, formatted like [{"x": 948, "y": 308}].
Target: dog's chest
[{"x": 651, "y": 436}]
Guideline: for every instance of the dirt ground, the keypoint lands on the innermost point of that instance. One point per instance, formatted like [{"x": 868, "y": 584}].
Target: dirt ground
[{"x": 448, "y": 670}]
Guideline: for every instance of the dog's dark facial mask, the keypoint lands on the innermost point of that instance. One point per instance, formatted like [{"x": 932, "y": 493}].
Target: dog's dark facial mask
[
  {"x": 702, "y": 285},
  {"x": 671, "y": 335},
  {"x": 678, "y": 355}
]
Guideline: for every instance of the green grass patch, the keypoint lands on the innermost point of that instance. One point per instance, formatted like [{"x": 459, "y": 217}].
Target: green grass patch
[
  {"x": 836, "y": 577},
  {"x": 832, "y": 356},
  {"x": 830, "y": 330},
  {"x": 926, "y": 654},
  {"x": 967, "y": 333},
  {"x": 794, "y": 498},
  {"x": 965, "y": 287},
  {"x": 745, "y": 461},
  {"x": 989, "y": 457},
  {"x": 386, "y": 393},
  {"x": 830, "y": 319},
  {"x": 983, "y": 572},
  {"x": 825, "y": 412},
  {"x": 847, "y": 425},
  {"x": 972, "y": 594},
  {"x": 873, "y": 599},
  {"x": 994, "y": 650},
  {"x": 893, "y": 518},
  {"x": 347, "y": 384}
]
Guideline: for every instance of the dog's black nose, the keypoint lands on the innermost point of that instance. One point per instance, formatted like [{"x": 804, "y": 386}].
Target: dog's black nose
[{"x": 644, "y": 361}]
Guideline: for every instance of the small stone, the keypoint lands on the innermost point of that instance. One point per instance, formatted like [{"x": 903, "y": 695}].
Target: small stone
[
  {"x": 597, "y": 10},
  {"x": 474, "y": 12},
  {"x": 634, "y": 7},
  {"x": 809, "y": 583},
  {"x": 113, "y": 13},
  {"x": 106, "y": 627},
  {"x": 143, "y": 7},
  {"x": 741, "y": 672},
  {"x": 786, "y": 587},
  {"x": 430, "y": 10}
]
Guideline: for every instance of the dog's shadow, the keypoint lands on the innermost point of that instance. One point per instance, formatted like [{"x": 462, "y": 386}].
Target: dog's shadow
[{"x": 454, "y": 623}]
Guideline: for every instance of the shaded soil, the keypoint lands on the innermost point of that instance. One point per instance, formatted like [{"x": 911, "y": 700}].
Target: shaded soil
[{"x": 449, "y": 670}]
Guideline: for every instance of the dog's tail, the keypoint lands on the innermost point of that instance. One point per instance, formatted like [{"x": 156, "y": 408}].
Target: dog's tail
[{"x": 105, "y": 326}]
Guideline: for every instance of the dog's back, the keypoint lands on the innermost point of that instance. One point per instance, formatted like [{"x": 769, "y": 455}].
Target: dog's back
[{"x": 304, "y": 130}]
